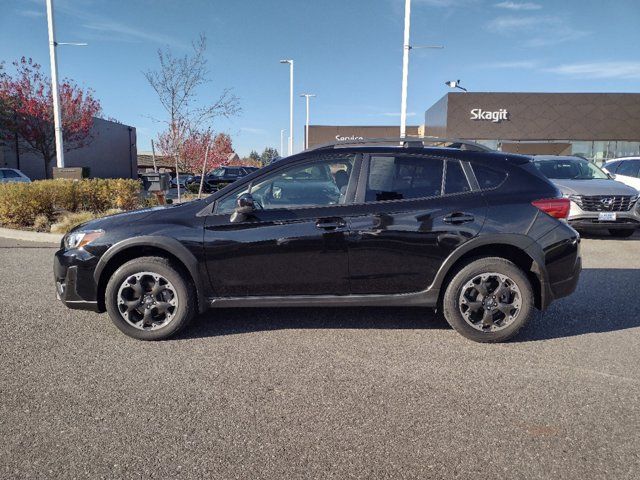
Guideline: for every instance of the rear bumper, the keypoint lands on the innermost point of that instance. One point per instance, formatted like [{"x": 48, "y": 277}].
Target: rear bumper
[
  {"x": 74, "y": 282},
  {"x": 559, "y": 263},
  {"x": 568, "y": 285}
]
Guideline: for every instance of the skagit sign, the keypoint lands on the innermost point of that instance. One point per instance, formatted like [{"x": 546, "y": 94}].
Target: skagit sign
[{"x": 495, "y": 116}]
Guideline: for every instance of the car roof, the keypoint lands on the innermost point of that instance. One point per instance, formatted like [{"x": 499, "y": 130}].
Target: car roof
[
  {"x": 490, "y": 155},
  {"x": 622, "y": 158},
  {"x": 537, "y": 158}
]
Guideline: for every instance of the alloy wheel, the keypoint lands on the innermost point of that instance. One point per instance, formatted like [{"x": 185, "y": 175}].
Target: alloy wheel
[
  {"x": 490, "y": 302},
  {"x": 147, "y": 301}
]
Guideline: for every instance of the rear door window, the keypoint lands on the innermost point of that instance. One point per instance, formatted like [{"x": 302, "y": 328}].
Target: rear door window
[
  {"x": 488, "y": 178},
  {"x": 403, "y": 178},
  {"x": 455, "y": 179}
]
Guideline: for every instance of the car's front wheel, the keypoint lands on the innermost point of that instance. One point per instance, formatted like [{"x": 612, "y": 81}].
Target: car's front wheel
[
  {"x": 148, "y": 298},
  {"x": 489, "y": 300},
  {"x": 622, "y": 233}
]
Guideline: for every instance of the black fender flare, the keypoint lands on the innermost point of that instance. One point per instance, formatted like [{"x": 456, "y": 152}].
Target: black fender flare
[
  {"x": 168, "y": 244},
  {"x": 521, "y": 242}
]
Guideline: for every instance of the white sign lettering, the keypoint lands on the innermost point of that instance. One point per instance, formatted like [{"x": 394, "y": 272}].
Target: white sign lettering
[
  {"x": 351, "y": 138},
  {"x": 495, "y": 116}
]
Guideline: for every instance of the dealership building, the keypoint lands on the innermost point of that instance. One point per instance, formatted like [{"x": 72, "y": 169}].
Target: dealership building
[
  {"x": 597, "y": 126},
  {"x": 108, "y": 152}
]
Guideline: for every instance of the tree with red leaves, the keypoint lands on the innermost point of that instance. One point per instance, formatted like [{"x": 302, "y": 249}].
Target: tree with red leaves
[
  {"x": 27, "y": 111},
  {"x": 193, "y": 147}
]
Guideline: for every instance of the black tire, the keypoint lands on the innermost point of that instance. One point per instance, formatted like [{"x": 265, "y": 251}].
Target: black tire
[
  {"x": 453, "y": 303},
  {"x": 181, "y": 290},
  {"x": 622, "y": 233}
]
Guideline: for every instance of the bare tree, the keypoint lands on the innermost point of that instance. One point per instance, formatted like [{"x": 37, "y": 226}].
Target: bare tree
[{"x": 178, "y": 83}]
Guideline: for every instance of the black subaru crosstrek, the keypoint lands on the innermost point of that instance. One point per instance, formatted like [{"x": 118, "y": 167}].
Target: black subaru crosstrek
[{"x": 480, "y": 235}]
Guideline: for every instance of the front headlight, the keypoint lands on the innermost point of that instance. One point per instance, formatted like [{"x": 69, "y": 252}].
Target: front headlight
[{"x": 81, "y": 238}]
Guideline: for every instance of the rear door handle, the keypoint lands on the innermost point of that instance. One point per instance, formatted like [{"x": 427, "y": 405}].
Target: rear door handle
[
  {"x": 331, "y": 223},
  {"x": 458, "y": 217}
]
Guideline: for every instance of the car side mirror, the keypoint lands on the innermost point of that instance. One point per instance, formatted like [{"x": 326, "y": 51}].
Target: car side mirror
[{"x": 245, "y": 206}]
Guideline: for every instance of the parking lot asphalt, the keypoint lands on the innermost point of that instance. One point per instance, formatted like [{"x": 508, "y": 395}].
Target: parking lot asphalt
[{"x": 322, "y": 393}]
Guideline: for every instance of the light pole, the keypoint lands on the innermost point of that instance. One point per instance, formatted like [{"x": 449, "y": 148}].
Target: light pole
[
  {"x": 405, "y": 66},
  {"x": 57, "y": 117},
  {"x": 290, "y": 62},
  {"x": 57, "y": 114},
  {"x": 282, "y": 142},
  {"x": 455, "y": 84},
  {"x": 306, "y": 125}
]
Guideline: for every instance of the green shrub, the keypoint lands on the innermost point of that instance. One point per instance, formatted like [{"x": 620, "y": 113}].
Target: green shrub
[{"x": 21, "y": 203}]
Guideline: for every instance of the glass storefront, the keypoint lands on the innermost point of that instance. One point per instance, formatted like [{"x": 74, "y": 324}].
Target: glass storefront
[{"x": 596, "y": 151}]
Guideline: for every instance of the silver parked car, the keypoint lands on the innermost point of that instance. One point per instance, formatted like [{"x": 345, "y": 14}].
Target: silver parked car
[
  {"x": 597, "y": 200},
  {"x": 12, "y": 175}
]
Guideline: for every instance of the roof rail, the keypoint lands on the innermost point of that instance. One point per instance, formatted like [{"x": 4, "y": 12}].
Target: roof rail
[{"x": 407, "y": 142}]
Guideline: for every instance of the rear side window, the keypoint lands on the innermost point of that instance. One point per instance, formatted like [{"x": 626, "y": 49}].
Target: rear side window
[
  {"x": 628, "y": 168},
  {"x": 455, "y": 179},
  {"x": 10, "y": 174},
  {"x": 487, "y": 177},
  {"x": 403, "y": 178}
]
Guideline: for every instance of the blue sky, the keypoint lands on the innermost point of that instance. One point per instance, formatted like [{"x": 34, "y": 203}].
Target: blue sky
[{"x": 347, "y": 52}]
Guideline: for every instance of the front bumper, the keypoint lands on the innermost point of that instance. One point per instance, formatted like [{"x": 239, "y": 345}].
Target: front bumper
[
  {"x": 582, "y": 219},
  {"x": 594, "y": 223},
  {"x": 73, "y": 275}
]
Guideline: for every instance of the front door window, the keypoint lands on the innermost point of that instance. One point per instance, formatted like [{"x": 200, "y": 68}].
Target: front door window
[{"x": 321, "y": 183}]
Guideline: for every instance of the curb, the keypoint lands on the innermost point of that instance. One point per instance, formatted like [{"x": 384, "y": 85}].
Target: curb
[{"x": 30, "y": 236}]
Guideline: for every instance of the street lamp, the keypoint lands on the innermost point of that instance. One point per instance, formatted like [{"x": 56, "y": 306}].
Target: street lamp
[
  {"x": 282, "y": 142},
  {"x": 290, "y": 62},
  {"x": 57, "y": 114},
  {"x": 405, "y": 66},
  {"x": 306, "y": 128},
  {"x": 455, "y": 84}
]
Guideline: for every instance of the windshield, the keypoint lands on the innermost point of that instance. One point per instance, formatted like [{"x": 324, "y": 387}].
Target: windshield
[{"x": 570, "y": 169}]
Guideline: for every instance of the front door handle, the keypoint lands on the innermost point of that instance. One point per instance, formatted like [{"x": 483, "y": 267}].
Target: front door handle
[
  {"x": 458, "y": 217},
  {"x": 330, "y": 223}
]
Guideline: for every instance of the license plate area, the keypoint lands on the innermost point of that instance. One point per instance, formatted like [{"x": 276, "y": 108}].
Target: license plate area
[{"x": 607, "y": 216}]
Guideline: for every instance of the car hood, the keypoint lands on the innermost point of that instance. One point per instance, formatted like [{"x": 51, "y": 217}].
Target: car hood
[
  {"x": 143, "y": 216},
  {"x": 593, "y": 187}
]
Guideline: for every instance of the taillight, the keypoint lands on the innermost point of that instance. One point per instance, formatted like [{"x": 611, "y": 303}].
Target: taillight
[{"x": 556, "y": 207}]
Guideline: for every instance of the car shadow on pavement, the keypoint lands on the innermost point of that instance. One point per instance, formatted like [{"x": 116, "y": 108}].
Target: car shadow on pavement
[
  {"x": 606, "y": 300},
  {"x": 229, "y": 321},
  {"x": 598, "y": 235}
]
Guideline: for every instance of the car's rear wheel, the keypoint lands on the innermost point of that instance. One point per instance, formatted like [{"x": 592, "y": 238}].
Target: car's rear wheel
[
  {"x": 489, "y": 300},
  {"x": 622, "y": 233},
  {"x": 148, "y": 298}
]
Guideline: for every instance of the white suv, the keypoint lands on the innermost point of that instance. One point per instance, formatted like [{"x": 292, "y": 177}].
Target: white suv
[
  {"x": 12, "y": 175},
  {"x": 625, "y": 170}
]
